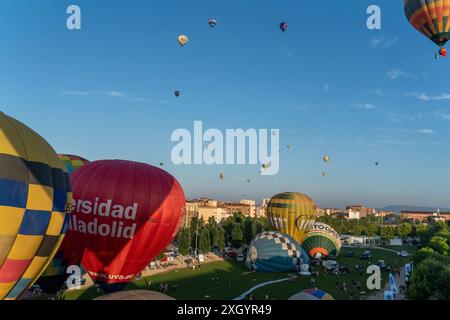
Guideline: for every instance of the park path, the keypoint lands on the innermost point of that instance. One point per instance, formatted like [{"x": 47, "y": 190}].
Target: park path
[{"x": 246, "y": 293}]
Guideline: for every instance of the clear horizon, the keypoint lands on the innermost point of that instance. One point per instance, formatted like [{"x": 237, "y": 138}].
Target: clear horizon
[{"x": 329, "y": 84}]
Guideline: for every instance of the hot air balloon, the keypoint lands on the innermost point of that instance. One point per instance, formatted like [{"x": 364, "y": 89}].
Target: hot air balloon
[
  {"x": 177, "y": 93},
  {"x": 312, "y": 294},
  {"x": 221, "y": 176},
  {"x": 275, "y": 252},
  {"x": 292, "y": 213},
  {"x": 431, "y": 18},
  {"x": 377, "y": 163},
  {"x": 72, "y": 162},
  {"x": 183, "y": 40},
  {"x": 283, "y": 26},
  {"x": 55, "y": 275},
  {"x": 34, "y": 195},
  {"x": 212, "y": 22},
  {"x": 123, "y": 215},
  {"x": 321, "y": 240},
  {"x": 266, "y": 165},
  {"x": 326, "y": 159}
]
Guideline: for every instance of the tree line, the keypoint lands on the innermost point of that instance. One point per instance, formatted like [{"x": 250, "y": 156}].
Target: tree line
[
  {"x": 236, "y": 230},
  {"x": 430, "y": 279}
]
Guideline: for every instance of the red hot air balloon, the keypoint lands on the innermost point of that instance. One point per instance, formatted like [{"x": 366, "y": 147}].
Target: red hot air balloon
[{"x": 123, "y": 214}]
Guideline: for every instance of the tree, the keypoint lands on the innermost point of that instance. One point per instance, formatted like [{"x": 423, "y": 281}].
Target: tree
[
  {"x": 387, "y": 232},
  {"x": 249, "y": 230},
  {"x": 440, "y": 245},
  {"x": 205, "y": 241},
  {"x": 184, "y": 241},
  {"x": 404, "y": 230},
  {"x": 421, "y": 229},
  {"x": 426, "y": 253},
  {"x": 237, "y": 236},
  {"x": 221, "y": 242},
  {"x": 429, "y": 281}
]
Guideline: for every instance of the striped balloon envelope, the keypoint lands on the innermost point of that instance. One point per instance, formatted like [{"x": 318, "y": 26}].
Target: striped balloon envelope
[
  {"x": 72, "y": 162},
  {"x": 321, "y": 240},
  {"x": 35, "y": 194},
  {"x": 54, "y": 277},
  {"x": 431, "y": 18},
  {"x": 312, "y": 294},
  {"x": 292, "y": 213},
  {"x": 275, "y": 251}
]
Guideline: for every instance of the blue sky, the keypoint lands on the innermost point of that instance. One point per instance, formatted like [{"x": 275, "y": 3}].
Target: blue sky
[{"x": 329, "y": 84}]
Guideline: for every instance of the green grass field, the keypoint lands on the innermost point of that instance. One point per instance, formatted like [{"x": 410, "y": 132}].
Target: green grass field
[{"x": 235, "y": 279}]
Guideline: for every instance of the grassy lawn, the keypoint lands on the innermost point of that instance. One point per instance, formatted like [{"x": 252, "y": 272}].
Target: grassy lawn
[
  {"x": 283, "y": 291},
  {"x": 235, "y": 279}
]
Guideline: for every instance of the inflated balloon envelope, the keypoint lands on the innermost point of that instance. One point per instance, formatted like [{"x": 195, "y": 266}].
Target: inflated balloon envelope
[
  {"x": 34, "y": 196},
  {"x": 123, "y": 214}
]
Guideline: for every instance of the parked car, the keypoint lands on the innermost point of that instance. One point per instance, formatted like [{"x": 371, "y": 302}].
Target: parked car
[
  {"x": 331, "y": 265},
  {"x": 402, "y": 254},
  {"x": 364, "y": 256},
  {"x": 240, "y": 258},
  {"x": 349, "y": 254},
  {"x": 381, "y": 264},
  {"x": 368, "y": 253}
]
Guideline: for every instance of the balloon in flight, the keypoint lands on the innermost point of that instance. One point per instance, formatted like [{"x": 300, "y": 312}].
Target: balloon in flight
[
  {"x": 35, "y": 194},
  {"x": 123, "y": 215},
  {"x": 283, "y": 26},
  {"x": 212, "y": 22},
  {"x": 183, "y": 40},
  {"x": 431, "y": 18}
]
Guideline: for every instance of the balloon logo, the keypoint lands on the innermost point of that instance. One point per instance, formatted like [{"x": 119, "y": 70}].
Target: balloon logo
[
  {"x": 123, "y": 215},
  {"x": 34, "y": 194}
]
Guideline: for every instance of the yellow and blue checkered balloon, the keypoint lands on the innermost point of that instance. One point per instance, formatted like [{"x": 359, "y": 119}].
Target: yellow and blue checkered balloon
[{"x": 34, "y": 195}]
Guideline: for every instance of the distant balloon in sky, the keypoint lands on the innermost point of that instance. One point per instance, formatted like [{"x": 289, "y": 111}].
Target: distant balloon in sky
[
  {"x": 183, "y": 40},
  {"x": 431, "y": 18},
  {"x": 35, "y": 195},
  {"x": 212, "y": 22},
  {"x": 221, "y": 176},
  {"x": 266, "y": 165},
  {"x": 123, "y": 215},
  {"x": 283, "y": 26},
  {"x": 177, "y": 93},
  {"x": 326, "y": 159},
  {"x": 377, "y": 163}
]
